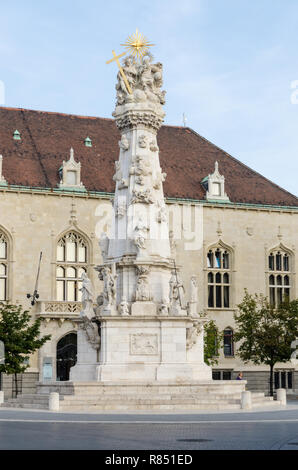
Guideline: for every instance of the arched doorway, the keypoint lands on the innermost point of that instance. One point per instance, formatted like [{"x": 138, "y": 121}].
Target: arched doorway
[{"x": 66, "y": 355}]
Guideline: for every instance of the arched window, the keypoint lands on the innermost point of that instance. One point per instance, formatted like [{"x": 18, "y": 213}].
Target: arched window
[
  {"x": 279, "y": 265},
  {"x": 219, "y": 278},
  {"x": 72, "y": 259},
  {"x": 3, "y": 266},
  {"x": 228, "y": 342}
]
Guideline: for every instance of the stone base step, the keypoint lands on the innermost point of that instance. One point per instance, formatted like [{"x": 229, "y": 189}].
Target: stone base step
[{"x": 151, "y": 407}]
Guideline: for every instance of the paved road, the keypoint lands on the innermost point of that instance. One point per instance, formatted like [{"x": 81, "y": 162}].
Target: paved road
[{"x": 262, "y": 430}]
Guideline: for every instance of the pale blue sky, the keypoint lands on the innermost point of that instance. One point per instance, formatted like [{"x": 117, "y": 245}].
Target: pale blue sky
[{"x": 228, "y": 64}]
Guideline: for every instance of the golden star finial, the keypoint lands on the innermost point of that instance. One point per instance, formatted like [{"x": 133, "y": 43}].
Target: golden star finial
[{"x": 137, "y": 44}]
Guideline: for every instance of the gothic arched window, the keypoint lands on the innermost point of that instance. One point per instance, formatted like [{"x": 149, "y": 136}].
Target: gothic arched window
[
  {"x": 279, "y": 264},
  {"x": 228, "y": 342},
  {"x": 72, "y": 259},
  {"x": 219, "y": 277},
  {"x": 3, "y": 266}
]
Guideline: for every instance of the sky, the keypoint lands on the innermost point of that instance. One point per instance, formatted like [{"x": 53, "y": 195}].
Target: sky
[{"x": 230, "y": 65}]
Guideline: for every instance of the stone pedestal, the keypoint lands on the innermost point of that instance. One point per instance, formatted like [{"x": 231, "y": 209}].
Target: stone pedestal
[
  {"x": 87, "y": 357},
  {"x": 149, "y": 349}
]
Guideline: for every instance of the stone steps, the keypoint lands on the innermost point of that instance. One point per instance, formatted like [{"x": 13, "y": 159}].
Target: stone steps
[
  {"x": 150, "y": 407},
  {"x": 104, "y": 397}
]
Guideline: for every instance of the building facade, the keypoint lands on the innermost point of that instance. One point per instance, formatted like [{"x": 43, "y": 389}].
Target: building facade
[{"x": 230, "y": 228}]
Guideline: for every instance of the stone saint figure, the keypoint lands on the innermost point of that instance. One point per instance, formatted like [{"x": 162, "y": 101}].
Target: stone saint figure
[{"x": 87, "y": 297}]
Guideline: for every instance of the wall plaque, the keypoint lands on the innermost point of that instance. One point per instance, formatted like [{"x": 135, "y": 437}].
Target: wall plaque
[{"x": 143, "y": 344}]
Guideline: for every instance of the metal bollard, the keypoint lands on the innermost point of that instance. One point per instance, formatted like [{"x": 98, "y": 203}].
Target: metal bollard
[
  {"x": 54, "y": 401},
  {"x": 1, "y": 397},
  {"x": 246, "y": 400},
  {"x": 281, "y": 395}
]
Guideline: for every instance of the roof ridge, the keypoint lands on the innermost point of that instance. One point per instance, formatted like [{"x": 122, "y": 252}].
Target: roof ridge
[
  {"x": 243, "y": 164},
  {"x": 80, "y": 116}
]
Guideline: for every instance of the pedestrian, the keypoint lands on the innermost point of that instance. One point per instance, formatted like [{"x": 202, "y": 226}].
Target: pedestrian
[{"x": 239, "y": 376}]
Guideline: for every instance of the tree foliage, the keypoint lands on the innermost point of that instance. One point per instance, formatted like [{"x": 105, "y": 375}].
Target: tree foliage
[
  {"x": 20, "y": 335},
  {"x": 265, "y": 333},
  {"x": 213, "y": 340}
]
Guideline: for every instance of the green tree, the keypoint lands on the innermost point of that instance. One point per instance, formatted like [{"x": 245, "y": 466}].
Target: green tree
[
  {"x": 213, "y": 341},
  {"x": 21, "y": 337},
  {"x": 266, "y": 333}
]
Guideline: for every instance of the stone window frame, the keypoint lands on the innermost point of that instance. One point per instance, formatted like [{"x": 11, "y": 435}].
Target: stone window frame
[
  {"x": 232, "y": 355},
  {"x": 220, "y": 245},
  {"x": 55, "y": 263},
  {"x": 7, "y": 262},
  {"x": 283, "y": 279}
]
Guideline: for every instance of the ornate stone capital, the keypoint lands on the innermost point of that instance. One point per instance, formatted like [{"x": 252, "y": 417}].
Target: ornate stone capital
[{"x": 139, "y": 119}]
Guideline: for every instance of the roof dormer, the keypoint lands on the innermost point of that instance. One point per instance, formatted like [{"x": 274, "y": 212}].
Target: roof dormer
[
  {"x": 70, "y": 174},
  {"x": 214, "y": 185}
]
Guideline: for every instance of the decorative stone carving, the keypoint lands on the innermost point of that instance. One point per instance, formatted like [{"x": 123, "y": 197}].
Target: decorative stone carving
[
  {"x": 176, "y": 295},
  {"x": 141, "y": 167},
  {"x": 87, "y": 297},
  {"x": 159, "y": 179},
  {"x": 145, "y": 81},
  {"x": 192, "y": 334},
  {"x": 193, "y": 303},
  {"x": 163, "y": 308},
  {"x": 109, "y": 292},
  {"x": 144, "y": 196},
  {"x": 104, "y": 245},
  {"x": 124, "y": 143},
  {"x": 132, "y": 119},
  {"x": 130, "y": 70},
  {"x": 118, "y": 177},
  {"x": 143, "y": 289},
  {"x": 162, "y": 213},
  {"x": 140, "y": 236},
  {"x": 120, "y": 208},
  {"x": 91, "y": 330},
  {"x": 143, "y": 344},
  {"x": 153, "y": 146},
  {"x": 142, "y": 141},
  {"x": 123, "y": 307},
  {"x": 99, "y": 304}
]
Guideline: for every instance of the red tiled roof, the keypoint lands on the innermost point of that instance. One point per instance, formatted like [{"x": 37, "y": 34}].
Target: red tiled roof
[{"x": 185, "y": 156}]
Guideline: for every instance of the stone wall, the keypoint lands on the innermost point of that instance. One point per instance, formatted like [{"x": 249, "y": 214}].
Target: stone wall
[
  {"x": 248, "y": 231},
  {"x": 28, "y": 381}
]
